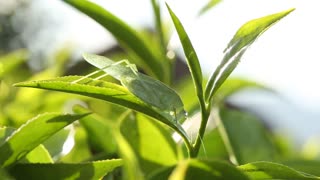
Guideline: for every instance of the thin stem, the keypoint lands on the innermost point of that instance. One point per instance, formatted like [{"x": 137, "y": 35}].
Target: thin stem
[{"x": 205, "y": 113}]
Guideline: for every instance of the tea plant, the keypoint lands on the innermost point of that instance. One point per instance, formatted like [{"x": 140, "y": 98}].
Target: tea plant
[{"x": 133, "y": 138}]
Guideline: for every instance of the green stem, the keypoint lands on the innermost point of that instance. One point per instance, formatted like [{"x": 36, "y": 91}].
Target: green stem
[{"x": 205, "y": 113}]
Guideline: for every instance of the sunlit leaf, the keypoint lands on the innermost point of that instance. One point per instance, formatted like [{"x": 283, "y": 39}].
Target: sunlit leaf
[
  {"x": 38, "y": 155},
  {"x": 153, "y": 145},
  {"x": 80, "y": 171},
  {"x": 106, "y": 91},
  {"x": 244, "y": 37},
  {"x": 125, "y": 35},
  {"x": 158, "y": 24},
  {"x": 190, "y": 53},
  {"x": 268, "y": 170},
  {"x": 210, "y": 4},
  {"x": 245, "y": 137},
  {"x": 205, "y": 169},
  {"x": 31, "y": 134},
  {"x": 10, "y": 61}
]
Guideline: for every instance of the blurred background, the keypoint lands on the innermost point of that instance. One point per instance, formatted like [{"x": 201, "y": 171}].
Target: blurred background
[{"x": 285, "y": 58}]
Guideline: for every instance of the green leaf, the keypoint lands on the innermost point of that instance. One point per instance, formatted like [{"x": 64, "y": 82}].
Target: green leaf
[
  {"x": 233, "y": 85},
  {"x": 308, "y": 166},
  {"x": 99, "y": 130},
  {"x": 31, "y": 134},
  {"x": 269, "y": 170},
  {"x": 4, "y": 175},
  {"x": 190, "y": 53},
  {"x": 245, "y": 137},
  {"x": 152, "y": 144},
  {"x": 158, "y": 24},
  {"x": 244, "y": 37},
  {"x": 80, "y": 152},
  {"x": 132, "y": 170},
  {"x": 9, "y": 62},
  {"x": 106, "y": 91},
  {"x": 213, "y": 146},
  {"x": 125, "y": 35},
  {"x": 209, "y": 5},
  {"x": 38, "y": 155},
  {"x": 55, "y": 143},
  {"x": 80, "y": 171},
  {"x": 5, "y": 132},
  {"x": 205, "y": 169}
]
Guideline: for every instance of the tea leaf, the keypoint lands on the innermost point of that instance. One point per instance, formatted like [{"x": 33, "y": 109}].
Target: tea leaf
[
  {"x": 308, "y": 166},
  {"x": 152, "y": 144},
  {"x": 106, "y": 91},
  {"x": 233, "y": 85},
  {"x": 205, "y": 169},
  {"x": 132, "y": 170},
  {"x": 158, "y": 24},
  {"x": 80, "y": 151},
  {"x": 10, "y": 61},
  {"x": 244, "y": 37},
  {"x": 31, "y": 134},
  {"x": 244, "y": 136},
  {"x": 99, "y": 130},
  {"x": 190, "y": 53},
  {"x": 125, "y": 35},
  {"x": 269, "y": 170},
  {"x": 80, "y": 171},
  {"x": 38, "y": 155},
  {"x": 209, "y": 5}
]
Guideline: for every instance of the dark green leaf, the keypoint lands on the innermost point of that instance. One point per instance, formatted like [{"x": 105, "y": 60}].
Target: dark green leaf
[
  {"x": 132, "y": 170},
  {"x": 190, "y": 53},
  {"x": 205, "y": 169},
  {"x": 244, "y": 37},
  {"x": 126, "y": 36},
  {"x": 245, "y": 137},
  {"x": 213, "y": 146},
  {"x": 269, "y": 170},
  {"x": 307, "y": 166},
  {"x": 99, "y": 130},
  {"x": 106, "y": 91},
  {"x": 31, "y": 134},
  {"x": 80, "y": 171}
]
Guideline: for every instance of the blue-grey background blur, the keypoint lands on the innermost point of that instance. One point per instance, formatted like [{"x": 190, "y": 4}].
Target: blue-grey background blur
[{"x": 285, "y": 58}]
